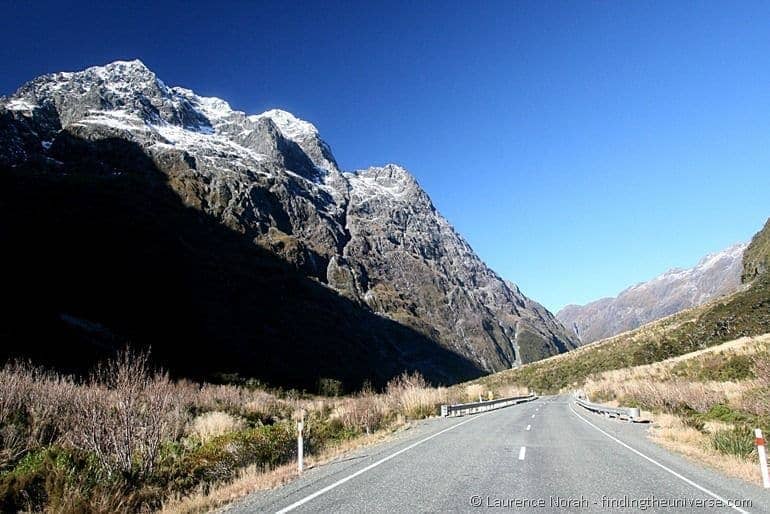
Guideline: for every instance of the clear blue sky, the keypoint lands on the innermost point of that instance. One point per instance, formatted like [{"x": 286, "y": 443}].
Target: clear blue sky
[{"x": 579, "y": 146}]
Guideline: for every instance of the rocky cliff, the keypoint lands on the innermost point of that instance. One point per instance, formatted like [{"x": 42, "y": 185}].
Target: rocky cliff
[{"x": 238, "y": 238}]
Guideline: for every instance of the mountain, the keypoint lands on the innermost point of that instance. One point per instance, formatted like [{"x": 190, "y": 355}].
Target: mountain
[
  {"x": 743, "y": 313},
  {"x": 675, "y": 290},
  {"x": 233, "y": 243}
]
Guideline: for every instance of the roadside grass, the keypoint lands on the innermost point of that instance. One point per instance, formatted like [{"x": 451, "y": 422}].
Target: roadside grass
[
  {"x": 670, "y": 432},
  {"x": 129, "y": 439},
  {"x": 705, "y": 404}
]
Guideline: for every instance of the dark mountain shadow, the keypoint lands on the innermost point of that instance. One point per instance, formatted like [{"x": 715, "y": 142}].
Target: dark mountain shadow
[{"x": 94, "y": 258}]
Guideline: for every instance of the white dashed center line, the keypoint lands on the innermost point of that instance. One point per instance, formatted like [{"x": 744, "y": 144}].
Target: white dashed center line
[
  {"x": 528, "y": 427},
  {"x": 522, "y": 452}
]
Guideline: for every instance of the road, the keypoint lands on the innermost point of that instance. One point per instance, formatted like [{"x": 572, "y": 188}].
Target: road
[{"x": 543, "y": 456}]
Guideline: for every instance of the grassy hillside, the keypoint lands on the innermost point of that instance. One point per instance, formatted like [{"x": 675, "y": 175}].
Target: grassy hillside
[{"x": 745, "y": 313}]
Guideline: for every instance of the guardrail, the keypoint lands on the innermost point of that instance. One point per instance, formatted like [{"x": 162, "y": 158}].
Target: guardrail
[
  {"x": 632, "y": 413},
  {"x": 461, "y": 409}
]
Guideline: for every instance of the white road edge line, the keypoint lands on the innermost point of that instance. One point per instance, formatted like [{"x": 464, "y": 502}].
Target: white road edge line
[
  {"x": 528, "y": 427},
  {"x": 665, "y": 468},
  {"x": 373, "y": 465},
  {"x": 522, "y": 452}
]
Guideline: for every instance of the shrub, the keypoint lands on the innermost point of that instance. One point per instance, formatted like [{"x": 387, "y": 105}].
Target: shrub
[
  {"x": 124, "y": 414},
  {"x": 716, "y": 367},
  {"x": 724, "y": 413},
  {"x": 329, "y": 387},
  {"x": 55, "y": 479},
  {"x": 363, "y": 413},
  {"x": 220, "y": 458},
  {"x": 413, "y": 397}
]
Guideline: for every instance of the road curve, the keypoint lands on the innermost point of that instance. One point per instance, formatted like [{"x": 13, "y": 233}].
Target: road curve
[{"x": 543, "y": 456}]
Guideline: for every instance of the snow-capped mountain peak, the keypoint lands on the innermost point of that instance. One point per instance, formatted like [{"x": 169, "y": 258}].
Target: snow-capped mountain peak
[
  {"x": 290, "y": 126},
  {"x": 128, "y": 98}
]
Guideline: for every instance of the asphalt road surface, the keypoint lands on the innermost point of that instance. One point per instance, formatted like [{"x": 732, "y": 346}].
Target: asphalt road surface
[{"x": 548, "y": 455}]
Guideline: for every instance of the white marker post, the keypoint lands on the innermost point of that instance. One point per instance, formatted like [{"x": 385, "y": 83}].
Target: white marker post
[
  {"x": 762, "y": 458},
  {"x": 300, "y": 425}
]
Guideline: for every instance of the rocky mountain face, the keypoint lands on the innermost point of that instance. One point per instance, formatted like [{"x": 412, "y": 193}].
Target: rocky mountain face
[
  {"x": 234, "y": 243},
  {"x": 756, "y": 258},
  {"x": 678, "y": 289}
]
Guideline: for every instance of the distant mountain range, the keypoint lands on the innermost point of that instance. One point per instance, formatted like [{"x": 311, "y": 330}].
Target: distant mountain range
[
  {"x": 715, "y": 275},
  {"x": 232, "y": 243}
]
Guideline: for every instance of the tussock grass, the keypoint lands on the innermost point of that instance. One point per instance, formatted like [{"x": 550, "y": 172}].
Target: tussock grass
[{"x": 213, "y": 424}]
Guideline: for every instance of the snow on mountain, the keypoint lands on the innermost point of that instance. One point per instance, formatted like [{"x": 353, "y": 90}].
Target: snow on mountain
[{"x": 677, "y": 289}]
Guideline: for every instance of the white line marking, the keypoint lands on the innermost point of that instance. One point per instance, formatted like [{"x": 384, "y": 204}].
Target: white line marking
[
  {"x": 522, "y": 452},
  {"x": 681, "y": 477},
  {"x": 533, "y": 415},
  {"x": 528, "y": 427},
  {"x": 374, "y": 465}
]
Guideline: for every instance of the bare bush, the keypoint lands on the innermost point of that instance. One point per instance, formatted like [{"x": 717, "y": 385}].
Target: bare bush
[
  {"x": 34, "y": 408},
  {"x": 15, "y": 386},
  {"x": 125, "y": 413},
  {"x": 758, "y": 400},
  {"x": 217, "y": 397}
]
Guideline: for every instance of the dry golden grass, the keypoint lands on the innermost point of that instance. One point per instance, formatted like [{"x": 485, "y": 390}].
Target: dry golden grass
[
  {"x": 213, "y": 424},
  {"x": 474, "y": 392},
  {"x": 507, "y": 391},
  {"x": 669, "y": 431},
  {"x": 667, "y": 394},
  {"x": 413, "y": 397},
  {"x": 655, "y": 385}
]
